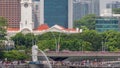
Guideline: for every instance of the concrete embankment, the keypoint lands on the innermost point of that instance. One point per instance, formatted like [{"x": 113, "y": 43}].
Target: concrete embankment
[{"x": 45, "y": 66}]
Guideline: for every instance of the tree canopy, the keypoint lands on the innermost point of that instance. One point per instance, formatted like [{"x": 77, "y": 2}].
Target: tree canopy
[
  {"x": 116, "y": 10},
  {"x": 89, "y": 40},
  {"x": 87, "y": 21},
  {"x": 14, "y": 55},
  {"x": 26, "y": 40}
]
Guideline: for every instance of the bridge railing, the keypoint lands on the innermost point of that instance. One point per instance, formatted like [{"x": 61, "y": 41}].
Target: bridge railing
[{"x": 81, "y": 53}]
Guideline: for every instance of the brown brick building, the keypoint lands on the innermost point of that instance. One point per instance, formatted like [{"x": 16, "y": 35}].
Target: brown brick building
[{"x": 10, "y": 9}]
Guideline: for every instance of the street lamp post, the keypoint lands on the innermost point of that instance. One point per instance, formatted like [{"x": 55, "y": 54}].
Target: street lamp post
[
  {"x": 106, "y": 41},
  {"x": 57, "y": 42},
  {"x": 104, "y": 44},
  {"x": 58, "y": 46}
]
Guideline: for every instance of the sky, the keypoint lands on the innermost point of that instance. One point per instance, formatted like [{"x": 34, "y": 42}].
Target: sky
[{"x": 103, "y": 2}]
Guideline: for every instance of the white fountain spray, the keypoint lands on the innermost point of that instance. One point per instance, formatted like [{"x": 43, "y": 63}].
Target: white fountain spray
[{"x": 50, "y": 66}]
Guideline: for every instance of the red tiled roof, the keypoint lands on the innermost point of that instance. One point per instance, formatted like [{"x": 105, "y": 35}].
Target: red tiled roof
[
  {"x": 42, "y": 27},
  {"x": 12, "y": 29}
]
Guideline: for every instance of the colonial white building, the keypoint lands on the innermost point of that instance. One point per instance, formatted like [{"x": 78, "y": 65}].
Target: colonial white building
[{"x": 44, "y": 28}]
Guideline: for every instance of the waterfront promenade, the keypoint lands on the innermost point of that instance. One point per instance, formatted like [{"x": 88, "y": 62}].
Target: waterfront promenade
[{"x": 86, "y": 59}]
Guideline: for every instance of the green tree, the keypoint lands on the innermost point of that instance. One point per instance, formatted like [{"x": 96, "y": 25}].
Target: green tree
[
  {"x": 116, "y": 10},
  {"x": 3, "y": 26},
  {"x": 92, "y": 38},
  {"x": 15, "y": 55},
  {"x": 88, "y": 40},
  {"x": 26, "y": 40},
  {"x": 29, "y": 40},
  {"x": 49, "y": 40},
  {"x": 87, "y": 21},
  {"x": 111, "y": 40},
  {"x": 19, "y": 39}
]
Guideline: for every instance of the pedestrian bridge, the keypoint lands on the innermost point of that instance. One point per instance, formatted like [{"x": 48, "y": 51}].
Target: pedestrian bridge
[{"x": 80, "y": 53}]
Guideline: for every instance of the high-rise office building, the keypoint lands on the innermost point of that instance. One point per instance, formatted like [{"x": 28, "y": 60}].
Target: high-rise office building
[
  {"x": 10, "y": 9},
  {"x": 95, "y": 7},
  {"x": 84, "y": 7},
  {"x": 80, "y": 9},
  {"x": 56, "y": 12}
]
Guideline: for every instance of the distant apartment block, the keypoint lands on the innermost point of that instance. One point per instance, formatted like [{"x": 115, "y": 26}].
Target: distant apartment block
[{"x": 10, "y": 9}]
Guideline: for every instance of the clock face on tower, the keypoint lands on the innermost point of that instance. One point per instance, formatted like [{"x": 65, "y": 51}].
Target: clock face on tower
[{"x": 26, "y": 5}]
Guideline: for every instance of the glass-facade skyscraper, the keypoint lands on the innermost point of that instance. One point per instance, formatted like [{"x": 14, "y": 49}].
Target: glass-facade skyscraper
[{"x": 56, "y": 12}]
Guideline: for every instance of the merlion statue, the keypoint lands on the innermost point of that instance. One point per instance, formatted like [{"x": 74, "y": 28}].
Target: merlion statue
[{"x": 34, "y": 53}]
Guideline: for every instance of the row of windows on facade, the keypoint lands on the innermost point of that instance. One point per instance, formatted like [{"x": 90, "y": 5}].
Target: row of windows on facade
[
  {"x": 102, "y": 30},
  {"x": 107, "y": 22},
  {"x": 9, "y": 12},
  {"x": 10, "y": 16},
  {"x": 13, "y": 22},
  {"x": 9, "y": 3},
  {"x": 12, "y": 19},
  {"x": 107, "y": 26},
  {"x": 103, "y": 22},
  {"x": 8, "y": 7},
  {"x": 13, "y": 13}
]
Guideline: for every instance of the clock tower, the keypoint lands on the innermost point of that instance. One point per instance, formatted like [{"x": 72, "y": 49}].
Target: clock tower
[{"x": 26, "y": 22}]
